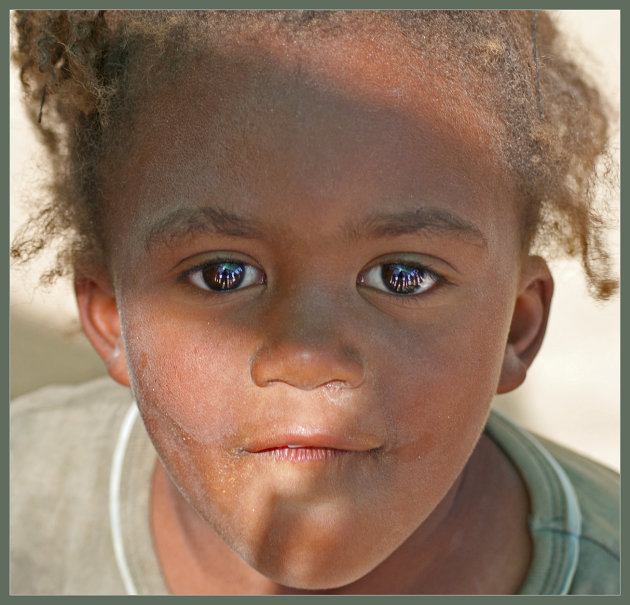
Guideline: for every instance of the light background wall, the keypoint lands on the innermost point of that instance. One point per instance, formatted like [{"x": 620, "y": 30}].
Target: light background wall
[{"x": 571, "y": 393}]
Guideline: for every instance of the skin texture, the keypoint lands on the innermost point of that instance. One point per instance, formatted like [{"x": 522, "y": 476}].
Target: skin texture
[{"x": 306, "y": 168}]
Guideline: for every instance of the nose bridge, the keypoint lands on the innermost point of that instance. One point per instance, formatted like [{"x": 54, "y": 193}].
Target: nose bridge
[
  {"x": 307, "y": 309},
  {"x": 307, "y": 341}
]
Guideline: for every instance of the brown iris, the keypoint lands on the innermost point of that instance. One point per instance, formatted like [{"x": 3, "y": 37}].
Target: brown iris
[
  {"x": 403, "y": 279},
  {"x": 223, "y": 276}
]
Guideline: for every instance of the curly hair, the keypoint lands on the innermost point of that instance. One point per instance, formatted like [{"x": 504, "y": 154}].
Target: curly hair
[{"x": 84, "y": 71}]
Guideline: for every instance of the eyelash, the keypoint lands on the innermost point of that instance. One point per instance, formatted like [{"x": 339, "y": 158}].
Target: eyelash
[{"x": 397, "y": 279}]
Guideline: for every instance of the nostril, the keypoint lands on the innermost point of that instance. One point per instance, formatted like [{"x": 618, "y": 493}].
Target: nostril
[{"x": 331, "y": 384}]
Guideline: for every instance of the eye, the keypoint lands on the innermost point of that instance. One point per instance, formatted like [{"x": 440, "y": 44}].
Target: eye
[
  {"x": 397, "y": 278},
  {"x": 225, "y": 276}
]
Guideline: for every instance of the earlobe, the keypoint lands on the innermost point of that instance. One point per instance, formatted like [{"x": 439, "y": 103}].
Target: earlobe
[
  {"x": 529, "y": 323},
  {"x": 99, "y": 316}
]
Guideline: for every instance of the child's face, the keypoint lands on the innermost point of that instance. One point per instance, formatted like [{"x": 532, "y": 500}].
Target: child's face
[{"x": 313, "y": 194}]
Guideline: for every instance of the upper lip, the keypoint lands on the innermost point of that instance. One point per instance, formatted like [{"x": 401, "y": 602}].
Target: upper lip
[{"x": 311, "y": 439}]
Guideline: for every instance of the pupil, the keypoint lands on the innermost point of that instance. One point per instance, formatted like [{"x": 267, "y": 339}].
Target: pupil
[
  {"x": 402, "y": 279},
  {"x": 223, "y": 276}
]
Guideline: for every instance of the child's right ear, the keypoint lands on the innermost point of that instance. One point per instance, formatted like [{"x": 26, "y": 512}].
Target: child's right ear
[{"x": 99, "y": 315}]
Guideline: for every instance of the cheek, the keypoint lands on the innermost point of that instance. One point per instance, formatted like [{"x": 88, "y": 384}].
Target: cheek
[
  {"x": 189, "y": 374},
  {"x": 187, "y": 377},
  {"x": 443, "y": 380}
]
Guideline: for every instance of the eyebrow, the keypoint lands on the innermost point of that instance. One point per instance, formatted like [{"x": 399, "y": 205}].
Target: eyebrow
[
  {"x": 419, "y": 220},
  {"x": 185, "y": 222}
]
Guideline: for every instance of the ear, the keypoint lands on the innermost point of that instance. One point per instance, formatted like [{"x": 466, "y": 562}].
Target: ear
[
  {"x": 99, "y": 315},
  {"x": 529, "y": 323}
]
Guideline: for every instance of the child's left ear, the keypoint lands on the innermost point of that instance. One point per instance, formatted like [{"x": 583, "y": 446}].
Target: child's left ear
[{"x": 529, "y": 323}]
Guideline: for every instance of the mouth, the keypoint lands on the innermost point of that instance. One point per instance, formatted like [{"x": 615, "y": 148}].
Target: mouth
[{"x": 299, "y": 446}]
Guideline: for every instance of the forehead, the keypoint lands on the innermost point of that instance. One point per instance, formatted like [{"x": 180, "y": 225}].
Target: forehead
[
  {"x": 255, "y": 121},
  {"x": 321, "y": 74}
]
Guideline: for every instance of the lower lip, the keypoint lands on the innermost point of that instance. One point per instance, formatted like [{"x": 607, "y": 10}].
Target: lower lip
[{"x": 302, "y": 454}]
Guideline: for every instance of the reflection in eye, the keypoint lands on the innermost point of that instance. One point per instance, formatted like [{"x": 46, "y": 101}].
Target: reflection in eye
[
  {"x": 224, "y": 276},
  {"x": 397, "y": 278}
]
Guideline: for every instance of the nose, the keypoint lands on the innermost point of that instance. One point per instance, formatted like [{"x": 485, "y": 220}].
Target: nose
[{"x": 306, "y": 365}]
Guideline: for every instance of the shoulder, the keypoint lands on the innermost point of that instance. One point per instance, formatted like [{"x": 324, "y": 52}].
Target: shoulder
[
  {"x": 65, "y": 424},
  {"x": 61, "y": 448},
  {"x": 597, "y": 488},
  {"x": 56, "y": 417},
  {"x": 70, "y": 399},
  {"x": 598, "y": 492},
  {"x": 59, "y": 422},
  {"x": 574, "y": 514}
]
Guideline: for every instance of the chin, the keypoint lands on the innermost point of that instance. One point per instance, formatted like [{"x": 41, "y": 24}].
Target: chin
[
  {"x": 317, "y": 579},
  {"x": 314, "y": 568}
]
